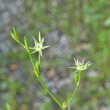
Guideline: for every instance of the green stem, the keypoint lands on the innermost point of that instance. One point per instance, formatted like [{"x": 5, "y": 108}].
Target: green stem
[
  {"x": 73, "y": 94},
  {"x": 39, "y": 59},
  {"x": 42, "y": 81},
  {"x": 68, "y": 107},
  {"x": 46, "y": 88},
  {"x": 33, "y": 64},
  {"x": 76, "y": 88},
  {"x": 21, "y": 44},
  {"x": 64, "y": 109}
]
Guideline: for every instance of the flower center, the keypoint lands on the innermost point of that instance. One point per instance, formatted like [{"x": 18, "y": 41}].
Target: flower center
[
  {"x": 80, "y": 67},
  {"x": 38, "y": 46}
]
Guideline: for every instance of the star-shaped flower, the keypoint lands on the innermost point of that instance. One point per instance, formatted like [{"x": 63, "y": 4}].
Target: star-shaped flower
[
  {"x": 80, "y": 66},
  {"x": 38, "y": 45}
]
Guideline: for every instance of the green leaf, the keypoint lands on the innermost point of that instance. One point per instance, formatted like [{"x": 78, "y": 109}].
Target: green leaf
[
  {"x": 26, "y": 42},
  {"x": 15, "y": 34},
  {"x": 12, "y": 35}
]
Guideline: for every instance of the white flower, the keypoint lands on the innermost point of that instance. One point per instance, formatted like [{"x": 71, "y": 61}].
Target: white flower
[
  {"x": 80, "y": 65},
  {"x": 38, "y": 45}
]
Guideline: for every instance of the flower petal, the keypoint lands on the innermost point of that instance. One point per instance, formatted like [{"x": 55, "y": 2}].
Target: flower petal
[
  {"x": 40, "y": 39},
  {"x": 31, "y": 48},
  {"x": 35, "y": 41},
  {"x": 45, "y": 47},
  {"x": 83, "y": 62},
  {"x": 72, "y": 67},
  {"x": 34, "y": 52}
]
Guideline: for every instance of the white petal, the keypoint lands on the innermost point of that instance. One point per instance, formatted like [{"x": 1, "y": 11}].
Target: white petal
[
  {"x": 35, "y": 41},
  {"x": 31, "y": 48},
  {"x": 72, "y": 67},
  {"x": 45, "y": 47},
  {"x": 42, "y": 40},
  {"x": 83, "y": 61},
  {"x": 40, "y": 37}
]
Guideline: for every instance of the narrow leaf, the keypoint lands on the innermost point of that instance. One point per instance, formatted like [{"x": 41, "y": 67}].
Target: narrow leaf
[
  {"x": 12, "y": 35},
  {"x": 26, "y": 42},
  {"x": 16, "y": 34}
]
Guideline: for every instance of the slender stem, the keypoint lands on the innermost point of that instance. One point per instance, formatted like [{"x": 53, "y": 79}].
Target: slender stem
[
  {"x": 68, "y": 107},
  {"x": 46, "y": 88},
  {"x": 79, "y": 75},
  {"x": 76, "y": 88},
  {"x": 73, "y": 94},
  {"x": 39, "y": 59},
  {"x": 33, "y": 64},
  {"x": 21, "y": 44},
  {"x": 64, "y": 109},
  {"x": 42, "y": 81}
]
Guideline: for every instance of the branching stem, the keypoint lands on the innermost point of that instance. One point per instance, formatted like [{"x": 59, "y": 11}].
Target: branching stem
[{"x": 42, "y": 81}]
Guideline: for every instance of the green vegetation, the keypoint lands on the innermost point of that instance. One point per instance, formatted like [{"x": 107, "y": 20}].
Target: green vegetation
[
  {"x": 87, "y": 25},
  {"x": 80, "y": 66}
]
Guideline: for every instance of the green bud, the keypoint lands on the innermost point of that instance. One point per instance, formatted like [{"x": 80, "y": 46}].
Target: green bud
[
  {"x": 26, "y": 42},
  {"x": 12, "y": 35},
  {"x": 77, "y": 78},
  {"x": 64, "y": 105},
  {"x": 86, "y": 65},
  {"x": 37, "y": 66},
  {"x": 15, "y": 34}
]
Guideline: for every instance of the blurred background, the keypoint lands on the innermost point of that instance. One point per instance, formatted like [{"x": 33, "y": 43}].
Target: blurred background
[{"x": 72, "y": 28}]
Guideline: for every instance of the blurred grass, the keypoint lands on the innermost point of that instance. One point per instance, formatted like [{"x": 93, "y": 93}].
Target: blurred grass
[{"x": 83, "y": 22}]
